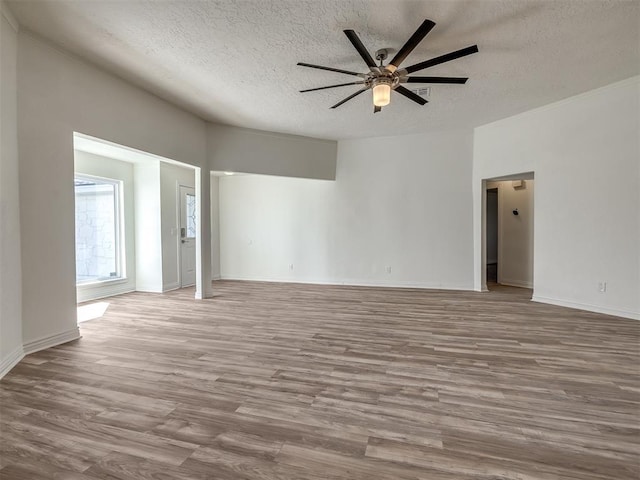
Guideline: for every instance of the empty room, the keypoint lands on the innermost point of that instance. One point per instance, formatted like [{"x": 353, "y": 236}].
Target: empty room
[{"x": 328, "y": 239}]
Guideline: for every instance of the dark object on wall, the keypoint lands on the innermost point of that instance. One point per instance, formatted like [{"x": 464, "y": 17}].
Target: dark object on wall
[{"x": 515, "y": 212}]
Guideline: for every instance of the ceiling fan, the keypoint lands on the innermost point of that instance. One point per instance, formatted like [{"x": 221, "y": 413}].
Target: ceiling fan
[{"x": 382, "y": 79}]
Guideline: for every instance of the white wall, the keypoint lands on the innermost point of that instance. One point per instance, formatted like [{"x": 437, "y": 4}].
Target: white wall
[
  {"x": 170, "y": 177},
  {"x": 215, "y": 227},
  {"x": 585, "y": 154},
  {"x": 253, "y": 151},
  {"x": 399, "y": 202},
  {"x": 91, "y": 164},
  {"x": 148, "y": 226},
  {"x": 10, "y": 271},
  {"x": 515, "y": 233},
  {"x": 59, "y": 94}
]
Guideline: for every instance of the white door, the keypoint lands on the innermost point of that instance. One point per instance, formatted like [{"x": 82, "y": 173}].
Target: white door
[{"x": 187, "y": 236}]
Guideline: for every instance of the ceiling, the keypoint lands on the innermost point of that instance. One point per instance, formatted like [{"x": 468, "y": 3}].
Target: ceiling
[{"x": 234, "y": 62}]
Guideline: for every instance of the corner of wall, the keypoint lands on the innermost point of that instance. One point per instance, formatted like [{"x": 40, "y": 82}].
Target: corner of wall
[
  {"x": 52, "y": 340},
  {"x": 8, "y": 15},
  {"x": 11, "y": 360},
  {"x": 11, "y": 349}
]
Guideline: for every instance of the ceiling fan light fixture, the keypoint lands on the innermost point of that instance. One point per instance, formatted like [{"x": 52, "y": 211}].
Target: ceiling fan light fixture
[{"x": 382, "y": 92}]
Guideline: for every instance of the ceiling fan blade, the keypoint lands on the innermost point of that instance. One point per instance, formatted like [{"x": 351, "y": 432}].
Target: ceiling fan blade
[
  {"x": 320, "y": 67},
  {"x": 349, "y": 97},
  {"x": 459, "y": 80},
  {"x": 364, "y": 53},
  {"x": 376, "y": 109},
  {"x": 410, "y": 95},
  {"x": 331, "y": 86},
  {"x": 441, "y": 59},
  {"x": 412, "y": 43}
]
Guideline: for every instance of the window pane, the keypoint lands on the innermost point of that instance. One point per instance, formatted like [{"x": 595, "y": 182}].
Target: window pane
[
  {"x": 191, "y": 215},
  {"x": 96, "y": 229}
]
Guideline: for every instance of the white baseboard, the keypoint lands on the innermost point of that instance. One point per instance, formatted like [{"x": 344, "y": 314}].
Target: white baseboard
[
  {"x": 588, "y": 307},
  {"x": 95, "y": 291},
  {"x": 356, "y": 283},
  {"x": 148, "y": 288},
  {"x": 216, "y": 277},
  {"x": 51, "y": 341},
  {"x": 11, "y": 360},
  {"x": 101, "y": 295},
  {"x": 516, "y": 283}
]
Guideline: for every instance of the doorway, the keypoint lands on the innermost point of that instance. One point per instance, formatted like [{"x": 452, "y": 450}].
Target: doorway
[
  {"x": 187, "y": 239},
  {"x": 508, "y": 231}
]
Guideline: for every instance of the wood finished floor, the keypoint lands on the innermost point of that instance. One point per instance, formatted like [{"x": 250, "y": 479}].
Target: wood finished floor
[{"x": 283, "y": 381}]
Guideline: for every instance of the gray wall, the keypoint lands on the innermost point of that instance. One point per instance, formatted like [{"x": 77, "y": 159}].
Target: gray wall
[
  {"x": 406, "y": 222},
  {"x": 10, "y": 239},
  {"x": 252, "y": 151}
]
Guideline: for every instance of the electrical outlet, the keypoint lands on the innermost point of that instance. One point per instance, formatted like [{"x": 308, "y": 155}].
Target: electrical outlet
[
  {"x": 602, "y": 287},
  {"x": 388, "y": 269},
  {"x": 291, "y": 266}
]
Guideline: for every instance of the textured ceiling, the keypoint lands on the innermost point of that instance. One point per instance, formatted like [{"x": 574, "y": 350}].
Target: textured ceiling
[{"x": 234, "y": 62}]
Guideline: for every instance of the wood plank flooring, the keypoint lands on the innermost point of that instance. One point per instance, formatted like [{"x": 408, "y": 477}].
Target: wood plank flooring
[{"x": 287, "y": 381}]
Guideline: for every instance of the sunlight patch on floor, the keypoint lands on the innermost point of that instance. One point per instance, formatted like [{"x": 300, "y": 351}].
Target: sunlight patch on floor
[{"x": 92, "y": 311}]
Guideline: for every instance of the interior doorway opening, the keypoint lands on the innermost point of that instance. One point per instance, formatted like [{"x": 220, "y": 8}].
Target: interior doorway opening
[
  {"x": 508, "y": 227},
  {"x": 127, "y": 208}
]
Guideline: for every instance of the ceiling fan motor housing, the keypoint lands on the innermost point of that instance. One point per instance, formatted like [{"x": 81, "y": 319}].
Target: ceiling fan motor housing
[{"x": 383, "y": 79}]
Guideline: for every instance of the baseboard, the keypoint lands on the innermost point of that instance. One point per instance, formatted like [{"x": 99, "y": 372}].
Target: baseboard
[
  {"x": 216, "y": 277},
  {"x": 588, "y": 307},
  {"x": 355, "y": 283},
  {"x": 11, "y": 360},
  {"x": 51, "y": 341},
  {"x": 516, "y": 283},
  {"x": 148, "y": 288},
  {"x": 98, "y": 295},
  {"x": 93, "y": 291}
]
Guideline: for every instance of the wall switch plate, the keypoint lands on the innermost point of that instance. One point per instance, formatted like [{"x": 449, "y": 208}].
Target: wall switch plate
[
  {"x": 388, "y": 269},
  {"x": 291, "y": 266},
  {"x": 602, "y": 287}
]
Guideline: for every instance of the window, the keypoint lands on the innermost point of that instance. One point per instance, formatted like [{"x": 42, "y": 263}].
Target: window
[
  {"x": 98, "y": 229},
  {"x": 191, "y": 215}
]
